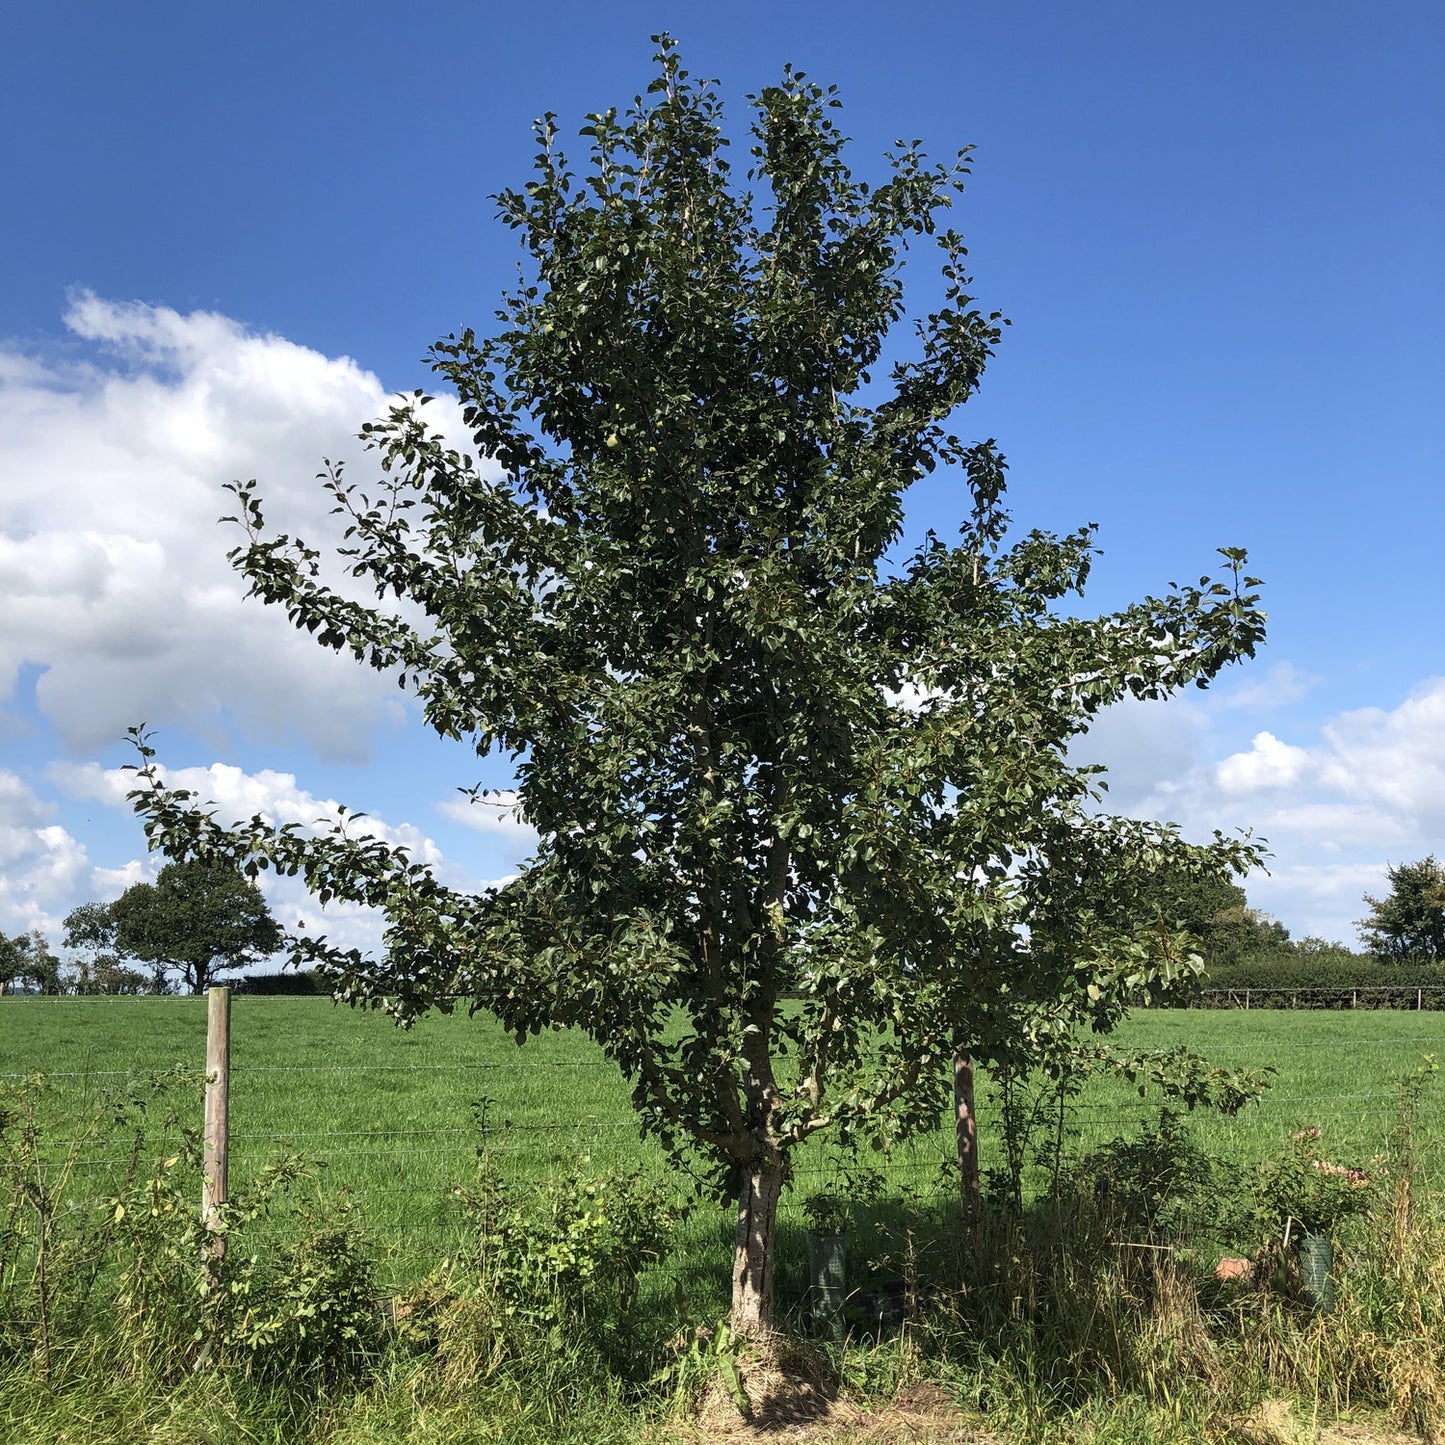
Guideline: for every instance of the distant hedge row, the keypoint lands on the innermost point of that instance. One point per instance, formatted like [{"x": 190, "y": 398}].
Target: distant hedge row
[
  {"x": 1339, "y": 982},
  {"x": 293, "y": 985}
]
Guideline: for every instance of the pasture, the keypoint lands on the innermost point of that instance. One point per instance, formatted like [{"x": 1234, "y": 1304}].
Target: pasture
[{"x": 392, "y": 1118}]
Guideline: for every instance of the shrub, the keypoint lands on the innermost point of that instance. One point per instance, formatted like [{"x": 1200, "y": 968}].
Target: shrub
[
  {"x": 1314, "y": 1192},
  {"x": 1159, "y": 1186},
  {"x": 577, "y": 1245},
  {"x": 300, "y": 984}
]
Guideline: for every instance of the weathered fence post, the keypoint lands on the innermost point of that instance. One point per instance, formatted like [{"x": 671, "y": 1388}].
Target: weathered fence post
[
  {"x": 965, "y": 1129},
  {"x": 215, "y": 1160}
]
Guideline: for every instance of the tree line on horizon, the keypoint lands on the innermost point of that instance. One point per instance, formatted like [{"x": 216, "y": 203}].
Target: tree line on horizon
[
  {"x": 199, "y": 924},
  {"x": 1406, "y": 926}
]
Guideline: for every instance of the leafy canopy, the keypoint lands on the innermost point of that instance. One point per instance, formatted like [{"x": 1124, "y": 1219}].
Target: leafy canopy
[{"x": 806, "y": 816}]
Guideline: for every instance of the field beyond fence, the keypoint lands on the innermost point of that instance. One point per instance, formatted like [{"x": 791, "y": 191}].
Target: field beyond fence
[
  {"x": 394, "y": 1119},
  {"x": 436, "y": 1236}
]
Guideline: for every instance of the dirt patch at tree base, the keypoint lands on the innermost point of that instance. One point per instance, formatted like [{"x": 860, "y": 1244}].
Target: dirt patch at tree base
[
  {"x": 799, "y": 1399},
  {"x": 919, "y": 1415},
  {"x": 793, "y": 1394},
  {"x": 1276, "y": 1422}
]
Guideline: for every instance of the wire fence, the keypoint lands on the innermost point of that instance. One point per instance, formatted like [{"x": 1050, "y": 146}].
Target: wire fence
[
  {"x": 1332, "y": 996},
  {"x": 399, "y": 1135}
]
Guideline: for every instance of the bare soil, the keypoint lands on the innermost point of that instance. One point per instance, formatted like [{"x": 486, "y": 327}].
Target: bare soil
[
  {"x": 794, "y": 1399},
  {"x": 794, "y": 1395},
  {"x": 1276, "y": 1422}
]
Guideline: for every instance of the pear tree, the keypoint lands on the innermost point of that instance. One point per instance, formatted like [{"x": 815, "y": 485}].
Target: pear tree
[{"x": 808, "y": 824}]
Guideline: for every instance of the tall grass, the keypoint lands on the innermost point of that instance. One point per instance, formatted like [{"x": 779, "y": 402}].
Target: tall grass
[
  {"x": 1102, "y": 1297},
  {"x": 553, "y": 1295},
  {"x": 116, "y": 1323}
]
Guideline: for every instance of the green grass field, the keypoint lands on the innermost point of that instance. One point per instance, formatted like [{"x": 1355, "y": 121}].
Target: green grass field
[{"x": 392, "y": 1115}]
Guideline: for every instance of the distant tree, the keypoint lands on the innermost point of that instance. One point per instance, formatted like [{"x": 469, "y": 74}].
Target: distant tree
[
  {"x": 1236, "y": 934},
  {"x": 27, "y": 965},
  {"x": 1324, "y": 950},
  {"x": 1408, "y": 925},
  {"x": 1205, "y": 904},
  {"x": 96, "y": 965},
  {"x": 10, "y": 958},
  {"x": 200, "y": 918}
]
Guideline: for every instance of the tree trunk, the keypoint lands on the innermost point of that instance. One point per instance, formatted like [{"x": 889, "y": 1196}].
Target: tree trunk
[
  {"x": 965, "y": 1128},
  {"x": 753, "y": 1247}
]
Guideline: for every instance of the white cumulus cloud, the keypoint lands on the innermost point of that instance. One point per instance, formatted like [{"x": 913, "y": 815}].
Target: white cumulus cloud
[
  {"x": 113, "y": 578},
  {"x": 1395, "y": 758},
  {"x": 235, "y": 796},
  {"x": 45, "y": 871},
  {"x": 41, "y": 865},
  {"x": 1335, "y": 804},
  {"x": 1268, "y": 764}
]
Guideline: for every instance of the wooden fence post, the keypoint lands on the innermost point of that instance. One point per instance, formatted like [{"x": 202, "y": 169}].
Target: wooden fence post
[
  {"x": 216, "y": 1157},
  {"x": 965, "y": 1129}
]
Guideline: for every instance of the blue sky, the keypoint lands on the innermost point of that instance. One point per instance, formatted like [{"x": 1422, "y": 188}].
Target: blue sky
[{"x": 231, "y": 233}]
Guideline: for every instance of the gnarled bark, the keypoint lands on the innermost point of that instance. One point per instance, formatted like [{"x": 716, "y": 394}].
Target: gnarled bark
[
  {"x": 965, "y": 1128},
  {"x": 753, "y": 1312}
]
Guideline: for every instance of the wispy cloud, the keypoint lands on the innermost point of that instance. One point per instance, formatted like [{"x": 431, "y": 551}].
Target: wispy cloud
[
  {"x": 1281, "y": 683},
  {"x": 494, "y": 812}
]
